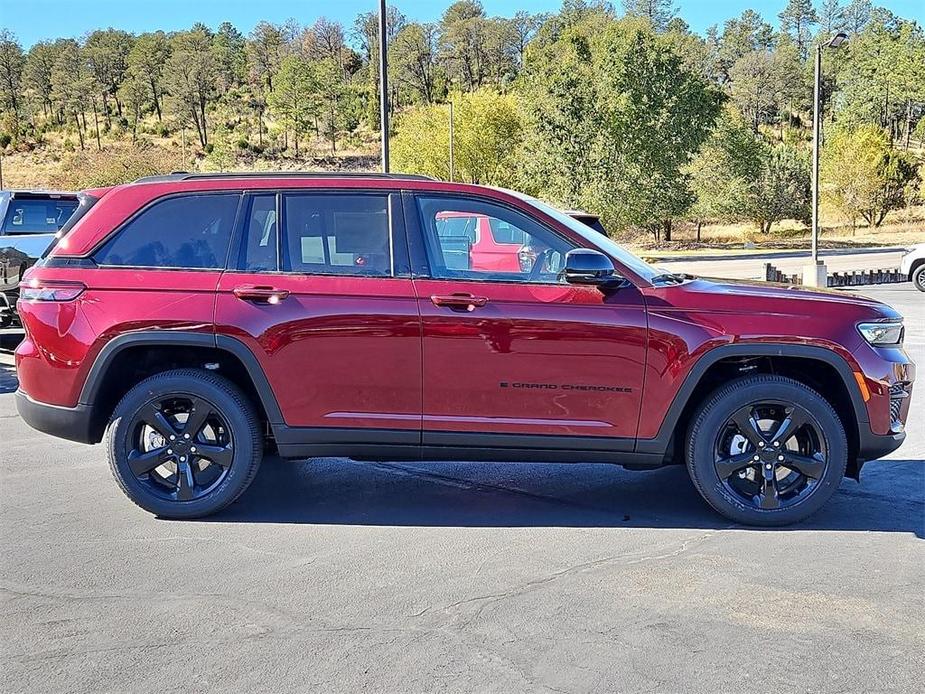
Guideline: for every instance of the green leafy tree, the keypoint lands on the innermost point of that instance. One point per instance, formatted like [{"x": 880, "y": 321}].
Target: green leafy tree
[
  {"x": 294, "y": 96},
  {"x": 797, "y": 20},
  {"x": 857, "y": 15},
  {"x": 725, "y": 172},
  {"x": 134, "y": 93},
  {"x": 147, "y": 60},
  {"x": 782, "y": 188},
  {"x": 741, "y": 36},
  {"x": 106, "y": 52},
  {"x": 831, "y": 17},
  {"x": 265, "y": 51},
  {"x": 658, "y": 12},
  {"x": 615, "y": 118},
  {"x": 37, "y": 73},
  {"x": 12, "y": 62},
  {"x": 72, "y": 85},
  {"x": 863, "y": 176},
  {"x": 464, "y": 43},
  {"x": 191, "y": 76},
  {"x": 414, "y": 62},
  {"x": 230, "y": 50},
  {"x": 487, "y": 133}
]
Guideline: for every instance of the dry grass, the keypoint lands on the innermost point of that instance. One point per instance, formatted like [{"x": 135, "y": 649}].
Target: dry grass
[{"x": 58, "y": 163}]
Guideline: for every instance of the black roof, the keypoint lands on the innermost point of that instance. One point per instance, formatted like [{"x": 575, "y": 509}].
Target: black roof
[{"x": 186, "y": 176}]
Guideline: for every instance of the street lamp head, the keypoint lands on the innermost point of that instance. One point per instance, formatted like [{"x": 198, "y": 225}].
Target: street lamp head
[{"x": 837, "y": 40}]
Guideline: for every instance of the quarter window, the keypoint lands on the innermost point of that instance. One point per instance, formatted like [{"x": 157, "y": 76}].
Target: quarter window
[{"x": 192, "y": 231}]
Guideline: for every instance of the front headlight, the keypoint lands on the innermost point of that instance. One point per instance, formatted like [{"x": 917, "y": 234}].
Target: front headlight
[{"x": 881, "y": 334}]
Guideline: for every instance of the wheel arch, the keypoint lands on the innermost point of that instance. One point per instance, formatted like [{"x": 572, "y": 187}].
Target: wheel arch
[
  {"x": 833, "y": 378},
  {"x": 126, "y": 359}
]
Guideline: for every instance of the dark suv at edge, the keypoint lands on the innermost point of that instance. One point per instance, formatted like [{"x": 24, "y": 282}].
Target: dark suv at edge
[{"x": 194, "y": 320}]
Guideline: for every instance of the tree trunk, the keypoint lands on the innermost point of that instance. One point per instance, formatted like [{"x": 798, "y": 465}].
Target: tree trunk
[
  {"x": 80, "y": 133},
  {"x": 666, "y": 226},
  {"x": 908, "y": 124},
  {"x": 106, "y": 111},
  {"x": 699, "y": 225},
  {"x": 96, "y": 124},
  {"x": 157, "y": 102},
  {"x": 295, "y": 137}
]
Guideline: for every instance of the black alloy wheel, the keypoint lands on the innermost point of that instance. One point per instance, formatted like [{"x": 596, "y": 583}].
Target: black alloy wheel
[
  {"x": 766, "y": 450},
  {"x": 770, "y": 454},
  {"x": 182, "y": 447},
  {"x": 184, "y": 443}
]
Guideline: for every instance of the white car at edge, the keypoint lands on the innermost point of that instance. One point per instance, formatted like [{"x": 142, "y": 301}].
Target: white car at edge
[{"x": 913, "y": 264}]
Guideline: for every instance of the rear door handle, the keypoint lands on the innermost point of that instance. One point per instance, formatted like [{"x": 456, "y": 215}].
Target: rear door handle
[
  {"x": 261, "y": 294},
  {"x": 465, "y": 302}
]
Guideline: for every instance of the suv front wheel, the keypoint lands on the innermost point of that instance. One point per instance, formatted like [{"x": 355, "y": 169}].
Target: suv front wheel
[
  {"x": 184, "y": 443},
  {"x": 766, "y": 450}
]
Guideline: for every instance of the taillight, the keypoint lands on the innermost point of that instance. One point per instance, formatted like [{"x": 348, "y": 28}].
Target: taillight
[{"x": 44, "y": 290}]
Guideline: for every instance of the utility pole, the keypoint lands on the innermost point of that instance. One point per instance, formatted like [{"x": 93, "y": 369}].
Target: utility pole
[
  {"x": 384, "y": 85},
  {"x": 815, "y": 275},
  {"x": 452, "y": 163}
]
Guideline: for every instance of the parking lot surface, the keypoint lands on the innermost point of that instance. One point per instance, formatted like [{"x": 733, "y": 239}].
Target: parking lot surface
[{"x": 330, "y": 575}]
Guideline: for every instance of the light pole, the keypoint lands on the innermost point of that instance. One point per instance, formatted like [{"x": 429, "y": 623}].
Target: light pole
[
  {"x": 452, "y": 153},
  {"x": 384, "y": 85},
  {"x": 815, "y": 275}
]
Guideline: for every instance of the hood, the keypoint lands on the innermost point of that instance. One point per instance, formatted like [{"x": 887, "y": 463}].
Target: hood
[{"x": 738, "y": 296}]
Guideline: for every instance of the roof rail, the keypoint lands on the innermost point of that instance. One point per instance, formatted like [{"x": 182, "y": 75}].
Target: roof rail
[{"x": 187, "y": 176}]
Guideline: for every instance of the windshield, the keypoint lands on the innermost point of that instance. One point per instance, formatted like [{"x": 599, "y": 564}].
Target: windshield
[
  {"x": 37, "y": 215},
  {"x": 595, "y": 238}
]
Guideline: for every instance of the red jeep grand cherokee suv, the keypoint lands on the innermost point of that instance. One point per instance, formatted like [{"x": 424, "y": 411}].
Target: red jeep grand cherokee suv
[{"x": 193, "y": 320}]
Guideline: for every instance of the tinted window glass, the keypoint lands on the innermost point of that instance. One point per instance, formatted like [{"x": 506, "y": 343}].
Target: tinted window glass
[
  {"x": 261, "y": 252},
  {"x": 337, "y": 235},
  {"x": 35, "y": 216},
  {"x": 519, "y": 250},
  {"x": 503, "y": 232},
  {"x": 192, "y": 231}
]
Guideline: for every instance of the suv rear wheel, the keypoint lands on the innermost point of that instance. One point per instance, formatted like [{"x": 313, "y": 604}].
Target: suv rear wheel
[
  {"x": 766, "y": 450},
  {"x": 184, "y": 443}
]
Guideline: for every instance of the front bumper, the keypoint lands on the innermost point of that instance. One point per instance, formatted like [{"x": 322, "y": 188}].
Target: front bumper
[
  {"x": 71, "y": 423},
  {"x": 873, "y": 446}
]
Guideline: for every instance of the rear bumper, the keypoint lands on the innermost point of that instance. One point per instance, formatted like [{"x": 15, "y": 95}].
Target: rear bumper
[{"x": 71, "y": 423}]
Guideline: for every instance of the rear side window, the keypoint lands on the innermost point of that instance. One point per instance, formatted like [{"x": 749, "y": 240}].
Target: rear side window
[
  {"x": 190, "y": 231},
  {"x": 35, "y": 216},
  {"x": 336, "y": 235}
]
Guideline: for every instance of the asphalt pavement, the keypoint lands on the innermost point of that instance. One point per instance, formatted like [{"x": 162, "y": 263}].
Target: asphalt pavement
[{"x": 330, "y": 575}]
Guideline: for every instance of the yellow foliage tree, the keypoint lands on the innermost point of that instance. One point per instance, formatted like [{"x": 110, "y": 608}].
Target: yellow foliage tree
[{"x": 487, "y": 134}]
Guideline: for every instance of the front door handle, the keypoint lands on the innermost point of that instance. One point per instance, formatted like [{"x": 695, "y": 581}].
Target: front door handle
[
  {"x": 261, "y": 294},
  {"x": 464, "y": 302}
]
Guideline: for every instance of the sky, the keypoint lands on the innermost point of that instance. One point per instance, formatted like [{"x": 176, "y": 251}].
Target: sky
[{"x": 34, "y": 20}]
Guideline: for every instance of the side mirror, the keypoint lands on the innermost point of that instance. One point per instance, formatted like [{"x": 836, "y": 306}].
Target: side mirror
[{"x": 590, "y": 267}]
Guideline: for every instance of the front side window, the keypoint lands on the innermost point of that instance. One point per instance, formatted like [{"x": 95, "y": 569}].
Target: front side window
[
  {"x": 336, "y": 235},
  {"x": 515, "y": 249},
  {"x": 190, "y": 231}
]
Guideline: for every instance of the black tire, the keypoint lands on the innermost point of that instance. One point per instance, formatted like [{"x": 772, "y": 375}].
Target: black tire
[
  {"x": 918, "y": 277},
  {"x": 228, "y": 444},
  {"x": 740, "y": 474}
]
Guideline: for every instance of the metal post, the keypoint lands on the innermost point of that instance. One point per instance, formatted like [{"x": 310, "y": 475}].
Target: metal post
[
  {"x": 817, "y": 121},
  {"x": 384, "y": 85},
  {"x": 452, "y": 163}
]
